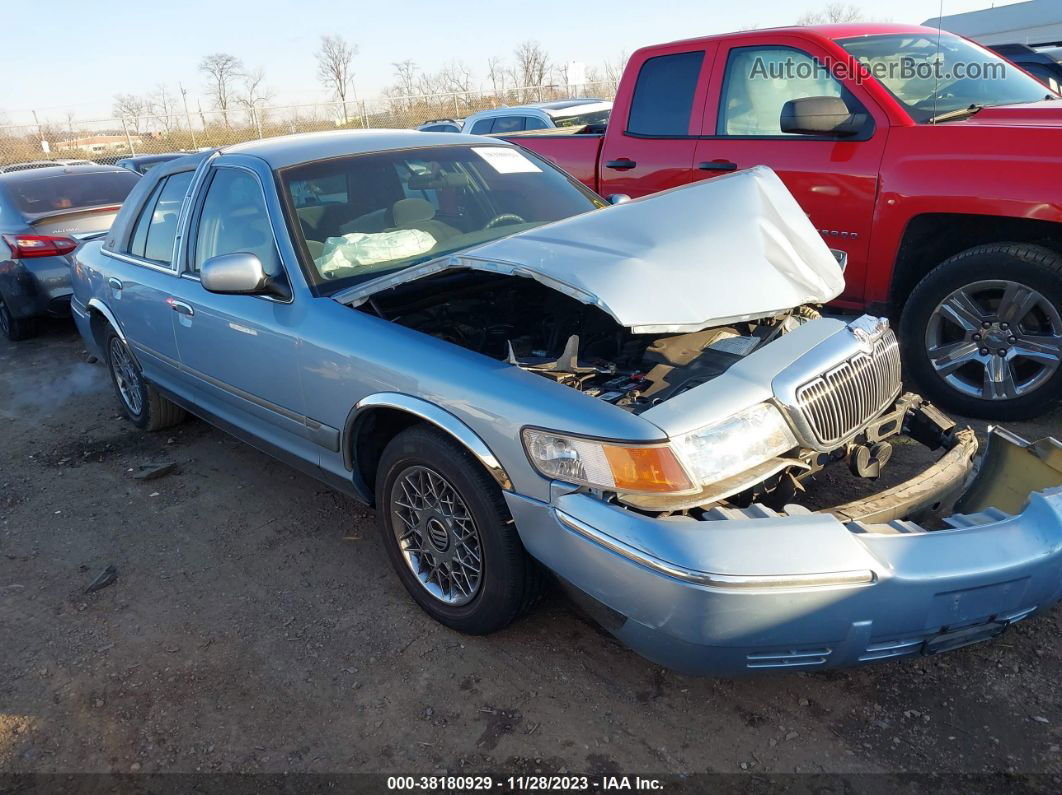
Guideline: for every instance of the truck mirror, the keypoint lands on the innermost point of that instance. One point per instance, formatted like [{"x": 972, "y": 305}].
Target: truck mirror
[{"x": 820, "y": 116}]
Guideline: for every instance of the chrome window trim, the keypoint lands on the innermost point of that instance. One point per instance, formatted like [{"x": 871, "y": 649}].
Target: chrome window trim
[
  {"x": 709, "y": 579},
  {"x": 143, "y": 263}
]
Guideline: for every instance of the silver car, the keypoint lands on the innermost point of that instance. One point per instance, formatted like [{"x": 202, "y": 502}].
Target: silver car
[
  {"x": 525, "y": 381},
  {"x": 539, "y": 116}
]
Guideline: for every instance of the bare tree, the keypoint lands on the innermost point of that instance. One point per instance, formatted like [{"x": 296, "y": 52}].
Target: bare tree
[
  {"x": 255, "y": 93},
  {"x": 406, "y": 75},
  {"x": 831, "y": 13},
  {"x": 496, "y": 74},
  {"x": 162, "y": 105},
  {"x": 130, "y": 107},
  {"x": 532, "y": 65},
  {"x": 221, "y": 70},
  {"x": 333, "y": 68}
]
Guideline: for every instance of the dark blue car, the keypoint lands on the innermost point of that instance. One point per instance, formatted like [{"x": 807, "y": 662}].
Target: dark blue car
[{"x": 45, "y": 214}]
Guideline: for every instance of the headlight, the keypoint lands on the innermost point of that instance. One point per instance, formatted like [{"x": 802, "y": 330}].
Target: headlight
[
  {"x": 736, "y": 444},
  {"x": 645, "y": 469}
]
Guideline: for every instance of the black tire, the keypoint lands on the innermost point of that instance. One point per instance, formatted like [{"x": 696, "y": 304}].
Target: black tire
[
  {"x": 1031, "y": 266},
  {"x": 140, "y": 401},
  {"x": 15, "y": 329},
  {"x": 510, "y": 582}
]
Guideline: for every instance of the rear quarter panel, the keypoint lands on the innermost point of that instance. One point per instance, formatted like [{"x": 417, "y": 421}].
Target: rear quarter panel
[{"x": 576, "y": 154}]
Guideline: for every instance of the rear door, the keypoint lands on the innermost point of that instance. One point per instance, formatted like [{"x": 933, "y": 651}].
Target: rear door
[
  {"x": 142, "y": 276},
  {"x": 834, "y": 179},
  {"x": 239, "y": 353},
  {"x": 652, "y": 134}
]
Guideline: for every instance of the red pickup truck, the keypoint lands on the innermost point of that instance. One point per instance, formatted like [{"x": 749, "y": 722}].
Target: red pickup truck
[{"x": 933, "y": 163}]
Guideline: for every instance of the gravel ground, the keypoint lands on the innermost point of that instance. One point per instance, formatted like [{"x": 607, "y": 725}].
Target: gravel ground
[{"x": 255, "y": 625}]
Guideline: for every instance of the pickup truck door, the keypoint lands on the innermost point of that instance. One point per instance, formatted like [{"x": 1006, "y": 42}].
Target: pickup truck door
[
  {"x": 140, "y": 276},
  {"x": 834, "y": 179},
  {"x": 239, "y": 353},
  {"x": 651, "y": 136}
]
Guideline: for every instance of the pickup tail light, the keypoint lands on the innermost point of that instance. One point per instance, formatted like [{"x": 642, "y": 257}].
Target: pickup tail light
[{"x": 32, "y": 246}]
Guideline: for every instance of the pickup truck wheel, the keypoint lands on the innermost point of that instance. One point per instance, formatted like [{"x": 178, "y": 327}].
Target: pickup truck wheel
[
  {"x": 982, "y": 333},
  {"x": 449, "y": 535},
  {"x": 141, "y": 402},
  {"x": 14, "y": 328}
]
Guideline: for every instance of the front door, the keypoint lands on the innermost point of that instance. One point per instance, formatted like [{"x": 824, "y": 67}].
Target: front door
[
  {"x": 239, "y": 353},
  {"x": 650, "y": 144},
  {"x": 835, "y": 179}
]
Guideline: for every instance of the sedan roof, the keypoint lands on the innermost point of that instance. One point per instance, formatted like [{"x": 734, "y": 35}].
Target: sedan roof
[
  {"x": 34, "y": 174},
  {"x": 289, "y": 150}
]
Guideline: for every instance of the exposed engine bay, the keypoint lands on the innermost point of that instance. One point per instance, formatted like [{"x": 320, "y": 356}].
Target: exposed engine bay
[{"x": 545, "y": 332}]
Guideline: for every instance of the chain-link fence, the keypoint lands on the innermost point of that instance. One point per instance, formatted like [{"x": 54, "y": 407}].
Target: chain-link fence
[{"x": 106, "y": 140}]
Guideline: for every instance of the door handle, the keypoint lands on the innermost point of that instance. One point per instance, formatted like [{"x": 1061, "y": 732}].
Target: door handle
[
  {"x": 623, "y": 164},
  {"x": 181, "y": 307},
  {"x": 114, "y": 284},
  {"x": 717, "y": 165}
]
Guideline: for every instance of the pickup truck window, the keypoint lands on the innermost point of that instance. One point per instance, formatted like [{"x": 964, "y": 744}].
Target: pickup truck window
[
  {"x": 760, "y": 80},
  {"x": 663, "y": 94},
  {"x": 410, "y": 206},
  {"x": 234, "y": 218},
  {"x": 934, "y": 75}
]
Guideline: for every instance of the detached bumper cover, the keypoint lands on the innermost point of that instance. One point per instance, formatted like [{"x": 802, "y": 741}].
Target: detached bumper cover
[{"x": 755, "y": 590}]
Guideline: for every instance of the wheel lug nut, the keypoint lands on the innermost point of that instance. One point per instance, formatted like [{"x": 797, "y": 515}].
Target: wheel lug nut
[
  {"x": 983, "y": 351},
  {"x": 976, "y": 337},
  {"x": 1002, "y": 351},
  {"x": 985, "y": 324},
  {"x": 1004, "y": 325},
  {"x": 1012, "y": 340}
]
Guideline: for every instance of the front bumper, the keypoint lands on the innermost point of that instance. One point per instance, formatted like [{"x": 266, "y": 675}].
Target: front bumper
[{"x": 754, "y": 591}]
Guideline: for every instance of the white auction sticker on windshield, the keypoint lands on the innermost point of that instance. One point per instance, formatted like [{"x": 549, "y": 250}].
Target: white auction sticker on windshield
[{"x": 505, "y": 160}]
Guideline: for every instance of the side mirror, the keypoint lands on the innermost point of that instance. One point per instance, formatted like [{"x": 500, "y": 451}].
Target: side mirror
[
  {"x": 618, "y": 198},
  {"x": 820, "y": 116},
  {"x": 240, "y": 273}
]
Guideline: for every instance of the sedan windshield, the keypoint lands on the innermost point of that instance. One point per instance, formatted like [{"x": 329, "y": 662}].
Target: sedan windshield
[
  {"x": 934, "y": 76},
  {"x": 363, "y": 215}
]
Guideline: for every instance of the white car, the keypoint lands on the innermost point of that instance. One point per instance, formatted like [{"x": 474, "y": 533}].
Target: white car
[{"x": 539, "y": 116}]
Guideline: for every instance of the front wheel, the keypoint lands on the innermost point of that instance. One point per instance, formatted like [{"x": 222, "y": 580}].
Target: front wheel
[
  {"x": 449, "y": 535},
  {"x": 982, "y": 333}
]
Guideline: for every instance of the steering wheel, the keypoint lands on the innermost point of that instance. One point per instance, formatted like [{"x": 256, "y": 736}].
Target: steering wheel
[{"x": 504, "y": 218}]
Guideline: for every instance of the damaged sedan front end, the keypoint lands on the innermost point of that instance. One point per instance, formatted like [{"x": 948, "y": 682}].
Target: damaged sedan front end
[
  {"x": 695, "y": 550},
  {"x": 642, "y": 399}
]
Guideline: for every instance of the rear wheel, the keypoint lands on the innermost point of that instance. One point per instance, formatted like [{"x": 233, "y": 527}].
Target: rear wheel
[
  {"x": 15, "y": 329},
  {"x": 449, "y": 535},
  {"x": 982, "y": 333},
  {"x": 140, "y": 401}
]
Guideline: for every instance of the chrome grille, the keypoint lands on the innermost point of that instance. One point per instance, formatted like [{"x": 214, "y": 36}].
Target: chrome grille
[{"x": 839, "y": 402}]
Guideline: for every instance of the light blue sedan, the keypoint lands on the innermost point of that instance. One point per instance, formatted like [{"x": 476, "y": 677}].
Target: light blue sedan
[{"x": 531, "y": 384}]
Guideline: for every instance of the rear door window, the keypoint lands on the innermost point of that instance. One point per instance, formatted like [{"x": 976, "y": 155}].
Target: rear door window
[
  {"x": 156, "y": 228},
  {"x": 482, "y": 127},
  {"x": 504, "y": 124},
  {"x": 664, "y": 94}
]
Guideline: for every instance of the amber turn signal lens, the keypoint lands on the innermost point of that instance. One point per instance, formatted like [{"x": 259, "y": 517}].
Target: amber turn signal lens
[{"x": 646, "y": 469}]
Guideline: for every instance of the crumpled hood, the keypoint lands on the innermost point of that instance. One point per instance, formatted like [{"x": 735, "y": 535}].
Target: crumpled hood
[{"x": 721, "y": 251}]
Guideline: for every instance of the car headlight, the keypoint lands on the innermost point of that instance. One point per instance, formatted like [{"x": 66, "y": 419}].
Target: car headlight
[
  {"x": 735, "y": 444},
  {"x": 612, "y": 466}
]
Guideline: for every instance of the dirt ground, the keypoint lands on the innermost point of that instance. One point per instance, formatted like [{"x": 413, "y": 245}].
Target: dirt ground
[{"x": 255, "y": 625}]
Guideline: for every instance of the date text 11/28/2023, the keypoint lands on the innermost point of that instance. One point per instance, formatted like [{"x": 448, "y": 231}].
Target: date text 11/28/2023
[{"x": 541, "y": 783}]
